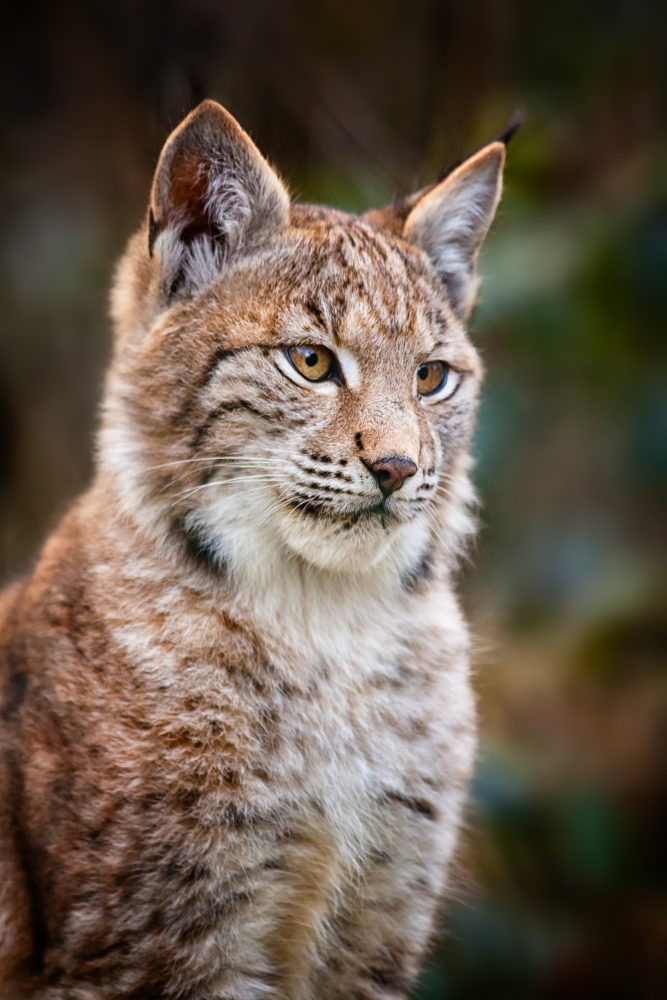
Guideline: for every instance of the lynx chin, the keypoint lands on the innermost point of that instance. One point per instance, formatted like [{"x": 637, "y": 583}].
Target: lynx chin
[{"x": 237, "y": 723}]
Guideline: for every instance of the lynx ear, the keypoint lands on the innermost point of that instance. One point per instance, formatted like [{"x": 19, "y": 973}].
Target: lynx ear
[
  {"x": 213, "y": 196},
  {"x": 449, "y": 222}
]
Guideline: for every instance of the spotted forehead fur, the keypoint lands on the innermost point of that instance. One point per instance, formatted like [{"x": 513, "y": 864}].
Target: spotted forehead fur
[
  {"x": 347, "y": 258},
  {"x": 325, "y": 266}
]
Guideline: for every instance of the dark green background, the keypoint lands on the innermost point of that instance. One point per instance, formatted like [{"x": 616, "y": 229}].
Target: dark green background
[{"x": 561, "y": 889}]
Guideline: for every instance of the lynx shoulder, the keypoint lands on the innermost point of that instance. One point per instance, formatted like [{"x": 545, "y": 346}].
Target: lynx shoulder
[{"x": 237, "y": 724}]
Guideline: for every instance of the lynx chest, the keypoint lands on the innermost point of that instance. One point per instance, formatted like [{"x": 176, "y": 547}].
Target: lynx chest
[
  {"x": 344, "y": 753},
  {"x": 319, "y": 796}
]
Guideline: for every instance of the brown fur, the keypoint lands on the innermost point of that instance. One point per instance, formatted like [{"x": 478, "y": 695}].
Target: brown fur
[{"x": 236, "y": 718}]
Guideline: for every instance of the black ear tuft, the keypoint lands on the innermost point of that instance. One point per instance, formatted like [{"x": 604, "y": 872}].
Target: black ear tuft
[
  {"x": 514, "y": 124},
  {"x": 517, "y": 119}
]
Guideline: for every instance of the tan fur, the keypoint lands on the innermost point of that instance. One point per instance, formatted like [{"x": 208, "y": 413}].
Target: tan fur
[{"x": 237, "y": 721}]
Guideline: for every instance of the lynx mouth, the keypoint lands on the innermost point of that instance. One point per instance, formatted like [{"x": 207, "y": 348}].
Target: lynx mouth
[{"x": 325, "y": 511}]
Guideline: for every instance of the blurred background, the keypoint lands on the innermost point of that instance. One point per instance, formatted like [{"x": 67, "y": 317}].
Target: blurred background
[{"x": 562, "y": 882}]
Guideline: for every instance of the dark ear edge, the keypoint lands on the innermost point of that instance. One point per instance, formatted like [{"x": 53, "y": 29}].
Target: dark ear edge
[{"x": 153, "y": 230}]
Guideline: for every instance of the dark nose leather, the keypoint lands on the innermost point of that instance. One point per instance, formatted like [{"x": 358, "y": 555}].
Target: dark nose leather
[{"x": 390, "y": 473}]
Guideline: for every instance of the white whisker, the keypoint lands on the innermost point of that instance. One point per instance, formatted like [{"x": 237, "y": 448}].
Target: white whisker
[
  {"x": 283, "y": 502},
  {"x": 214, "y": 460},
  {"x": 234, "y": 496}
]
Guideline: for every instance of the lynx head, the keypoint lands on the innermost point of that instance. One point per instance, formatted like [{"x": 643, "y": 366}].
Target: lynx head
[{"x": 294, "y": 382}]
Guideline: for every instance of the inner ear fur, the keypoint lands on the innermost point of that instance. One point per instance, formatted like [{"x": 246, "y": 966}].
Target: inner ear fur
[
  {"x": 213, "y": 195},
  {"x": 450, "y": 221}
]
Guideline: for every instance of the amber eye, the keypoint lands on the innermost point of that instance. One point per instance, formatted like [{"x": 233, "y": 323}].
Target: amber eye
[
  {"x": 314, "y": 362},
  {"x": 431, "y": 377}
]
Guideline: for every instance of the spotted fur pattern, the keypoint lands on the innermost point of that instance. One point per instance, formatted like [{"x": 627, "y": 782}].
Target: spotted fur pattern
[{"x": 237, "y": 724}]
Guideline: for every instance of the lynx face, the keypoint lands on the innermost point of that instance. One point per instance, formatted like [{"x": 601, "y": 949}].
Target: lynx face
[{"x": 291, "y": 378}]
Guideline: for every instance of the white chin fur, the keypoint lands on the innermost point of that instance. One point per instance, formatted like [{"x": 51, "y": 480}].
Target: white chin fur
[
  {"x": 324, "y": 544},
  {"x": 249, "y": 533}
]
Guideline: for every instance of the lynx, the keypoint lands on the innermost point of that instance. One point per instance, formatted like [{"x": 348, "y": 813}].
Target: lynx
[{"x": 237, "y": 723}]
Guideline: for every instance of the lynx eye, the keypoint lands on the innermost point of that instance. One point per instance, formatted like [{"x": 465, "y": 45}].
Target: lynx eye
[
  {"x": 431, "y": 377},
  {"x": 314, "y": 362},
  {"x": 435, "y": 381}
]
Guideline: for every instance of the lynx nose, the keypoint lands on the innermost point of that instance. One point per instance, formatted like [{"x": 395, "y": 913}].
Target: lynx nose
[{"x": 390, "y": 473}]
